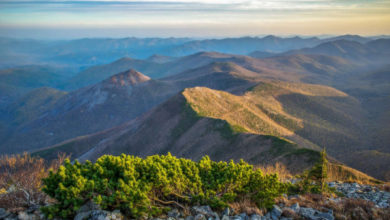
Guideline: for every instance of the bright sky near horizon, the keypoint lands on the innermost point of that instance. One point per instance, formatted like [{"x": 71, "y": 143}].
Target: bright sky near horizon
[{"x": 191, "y": 18}]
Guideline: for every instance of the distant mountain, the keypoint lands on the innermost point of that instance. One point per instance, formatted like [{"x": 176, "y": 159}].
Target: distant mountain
[
  {"x": 380, "y": 45},
  {"x": 352, "y": 50},
  {"x": 160, "y": 58},
  {"x": 327, "y": 42},
  {"x": 94, "y": 51},
  {"x": 311, "y": 68},
  {"x": 274, "y": 67},
  {"x": 32, "y": 76},
  {"x": 20, "y": 52},
  {"x": 81, "y": 53},
  {"x": 16, "y": 82},
  {"x": 154, "y": 70},
  {"x": 243, "y": 45},
  {"x": 96, "y": 74},
  {"x": 349, "y": 37},
  {"x": 261, "y": 54},
  {"x": 128, "y": 78},
  {"x": 86, "y": 52}
]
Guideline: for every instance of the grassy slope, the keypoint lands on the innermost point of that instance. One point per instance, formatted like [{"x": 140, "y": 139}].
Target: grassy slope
[
  {"x": 329, "y": 122},
  {"x": 340, "y": 172},
  {"x": 270, "y": 108},
  {"x": 260, "y": 106}
]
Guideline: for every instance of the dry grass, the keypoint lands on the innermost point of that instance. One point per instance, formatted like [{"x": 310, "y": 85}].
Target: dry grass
[
  {"x": 385, "y": 187},
  {"x": 278, "y": 168},
  {"x": 236, "y": 110},
  {"x": 21, "y": 180},
  {"x": 336, "y": 172},
  {"x": 289, "y": 213},
  {"x": 339, "y": 172},
  {"x": 245, "y": 206}
]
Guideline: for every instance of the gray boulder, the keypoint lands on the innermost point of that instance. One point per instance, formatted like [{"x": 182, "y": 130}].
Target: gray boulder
[
  {"x": 255, "y": 217},
  {"x": 236, "y": 217},
  {"x": 82, "y": 215},
  {"x": 99, "y": 215},
  {"x": 307, "y": 213},
  {"x": 325, "y": 215},
  {"x": 276, "y": 212},
  {"x": 11, "y": 216},
  {"x": 227, "y": 211},
  {"x": 204, "y": 210},
  {"x": 174, "y": 213},
  {"x": 25, "y": 216},
  {"x": 225, "y": 217},
  {"x": 3, "y": 213},
  {"x": 295, "y": 207},
  {"x": 200, "y": 217},
  {"x": 89, "y": 206},
  {"x": 244, "y": 216},
  {"x": 33, "y": 208},
  {"x": 310, "y": 213}
]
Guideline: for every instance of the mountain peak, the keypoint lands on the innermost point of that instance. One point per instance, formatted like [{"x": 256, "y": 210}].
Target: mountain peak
[
  {"x": 210, "y": 54},
  {"x": 123, "y": 60},
  {"x": 128, "y": 77},
  {"x": 157, "y": 58}
]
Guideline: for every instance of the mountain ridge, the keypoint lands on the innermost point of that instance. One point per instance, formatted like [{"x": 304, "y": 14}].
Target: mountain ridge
[{"x": 240, "y": 115}]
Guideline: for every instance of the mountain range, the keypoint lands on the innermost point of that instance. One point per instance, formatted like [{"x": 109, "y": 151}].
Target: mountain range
[
  {"x": 282, "y": 105},
  {"x": 87, "y": 52}
]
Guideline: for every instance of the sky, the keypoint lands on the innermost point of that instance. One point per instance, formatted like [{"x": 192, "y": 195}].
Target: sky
[{"x": 64, "y": 19}]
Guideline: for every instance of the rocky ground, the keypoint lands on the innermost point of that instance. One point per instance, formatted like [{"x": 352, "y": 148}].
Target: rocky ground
[
  {"x": 369, "y": 193},
  {"x": 359, "y": 202}
]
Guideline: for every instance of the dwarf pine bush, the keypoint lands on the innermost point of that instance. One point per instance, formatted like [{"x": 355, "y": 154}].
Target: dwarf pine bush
[
  {"x": 140, "y": 187},
  {"x": 314, "y": 180}
]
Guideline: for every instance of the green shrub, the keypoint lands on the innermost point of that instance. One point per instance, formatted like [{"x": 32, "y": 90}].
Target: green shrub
[
  {"x": 140, "y": 187},
  {"x": 314, "y": 180}
]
